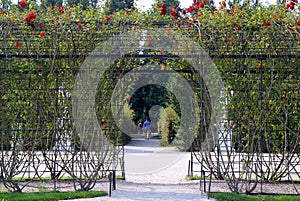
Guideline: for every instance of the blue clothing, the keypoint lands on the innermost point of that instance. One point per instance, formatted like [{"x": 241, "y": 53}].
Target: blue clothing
[{"x": 147, "y": 124}]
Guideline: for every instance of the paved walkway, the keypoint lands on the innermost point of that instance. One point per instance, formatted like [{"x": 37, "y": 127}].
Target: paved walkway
[{"x": 154, "y": 173}]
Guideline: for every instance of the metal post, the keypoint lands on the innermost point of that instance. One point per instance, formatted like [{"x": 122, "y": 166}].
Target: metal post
[
  {"x": 189, "y": 166},
  {"x": 192, "y": 164},
  {"x": 110, "y": 184},
  {"x": 260, "y": 129},
  {"x": 204, "y": 182},
  {"x": 209, "y": 185},
  {"x": 114, "y": 179}
]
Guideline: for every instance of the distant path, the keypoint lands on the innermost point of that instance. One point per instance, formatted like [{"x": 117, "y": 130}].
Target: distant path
[{"x": 139, "y": 143}]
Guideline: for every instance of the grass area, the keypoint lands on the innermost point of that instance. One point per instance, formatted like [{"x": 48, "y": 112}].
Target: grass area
[
  {"x": 196, "y": 177},
  {"x": 243, "y": 197},
  {"x": 190, "y": 178},
  {"x": 50, "y": 196}
]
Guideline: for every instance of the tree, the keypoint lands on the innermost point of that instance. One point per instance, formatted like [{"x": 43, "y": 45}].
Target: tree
[
  {"x": 51, "y": 3},
  {"x": 117, "y": 5},
  {"x": 84, "y": 3}
]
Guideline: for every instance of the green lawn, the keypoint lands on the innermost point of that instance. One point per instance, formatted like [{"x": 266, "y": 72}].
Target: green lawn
[
  {"x": 243, "y": 197},
  {"x": 50, "y": 196}
]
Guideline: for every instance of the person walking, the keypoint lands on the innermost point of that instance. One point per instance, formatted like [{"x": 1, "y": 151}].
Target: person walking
[{"x": 146, "y": 128}]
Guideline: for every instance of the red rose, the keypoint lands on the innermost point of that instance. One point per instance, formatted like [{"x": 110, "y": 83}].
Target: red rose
[
  {"x": 79, "y": 26},
  {"x": 30, "y": 16},
  {"x": 190, "y": 9},
  {"x": 298, "y": 23},
  {"x": 23, "y": 4},
  {"x": 201, "y": 5},
  {"x": 107, "y": 17},
  {"x": 42, "y": 33},
  {"x": 239, "y": 27},
  {"x": 163, "y": 9},
  {"x": 232, "y": 10},
  {"x": 184, "y": 11},
  {"x": 61, "y": 9},
  {"x": 174, "y": 14},
  {"x": 161, "y": 52},
  {"x": 41, "y": 26},
  {"x": 1, "y": 13},
  {"x": 292, "y": 6},
  {"x": 267, "y": 24},
  {"x": 17, "y": 44}
]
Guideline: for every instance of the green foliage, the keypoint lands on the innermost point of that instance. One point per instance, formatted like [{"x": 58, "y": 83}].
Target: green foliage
[
  {"x": 146, "y": 97},
  {"x": 235, "y": 197},
  {"x": 119, "y": 5},
  {"x": 277, "y": 106},
  {"x": 51, "y": 3},
  {"x": 168, "y": 124}
]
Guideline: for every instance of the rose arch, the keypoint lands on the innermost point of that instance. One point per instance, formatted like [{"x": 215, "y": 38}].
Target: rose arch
[{"x": 255, "y": 51}]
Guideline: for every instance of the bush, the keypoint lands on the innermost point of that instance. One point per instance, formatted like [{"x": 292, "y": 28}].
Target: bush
[{"x": 168, "y": 124}]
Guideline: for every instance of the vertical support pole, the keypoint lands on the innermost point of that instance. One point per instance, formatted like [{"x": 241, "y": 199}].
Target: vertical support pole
[
  {"x": 192, "y": 162},
  {"x": 209, "y": 185},
  {"x": 114, "y": 160},
  {"x": 189, "y": 166},
  {"x": 260, "y": 126},
  {"x": 123, "y": 162},
  {"x": 200, "y": 183},
  {"x": 114, "y": 179},
  {"x": 204, "y": 182},
  {"x": 56, "y": 129},
  {"x": 110, "y": 184}
]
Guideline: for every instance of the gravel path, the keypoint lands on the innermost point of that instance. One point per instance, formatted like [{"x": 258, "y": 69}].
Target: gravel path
[{"x": 154, "y": 173}]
